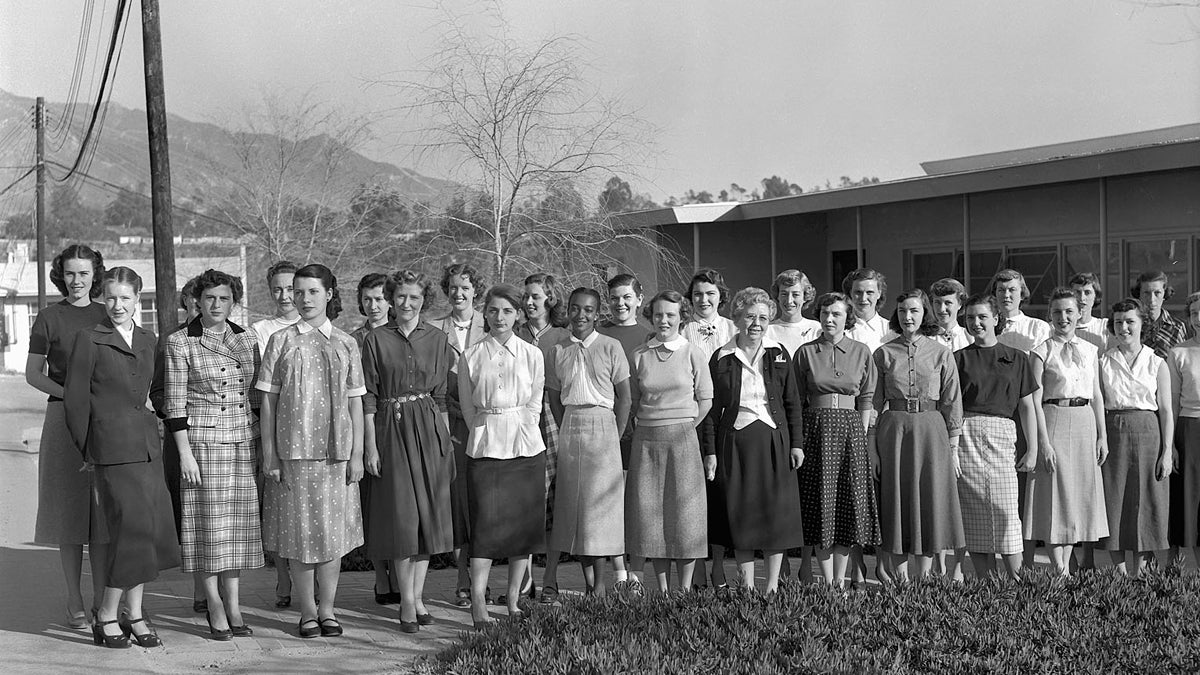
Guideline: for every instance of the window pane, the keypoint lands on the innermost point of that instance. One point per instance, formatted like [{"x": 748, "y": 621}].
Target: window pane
[
  {"x": 984, "y": 263},
  {"x": 1081, "y": 258},
  {"x": 1040, "y": 267},
  {"x": 1168, "y": 255},
  {"x": 929, "y": 267},
  {"x": 149, "y": 318}
]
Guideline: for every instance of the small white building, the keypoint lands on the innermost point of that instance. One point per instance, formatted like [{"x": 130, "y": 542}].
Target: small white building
[{"x": 19, "y": 287}]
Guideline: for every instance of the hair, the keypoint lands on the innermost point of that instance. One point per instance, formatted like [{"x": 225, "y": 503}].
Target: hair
[
  {"x": 1066, "y": 293},
  {"x": 556, "y": 298},
  {"x": 583, "y": 290},
  {"x": 827, "y": 299},
  {"x": 1085, "y": 278},
  {"x": 122, "y": 275},
  {"x": 928, "y": 323},
  {"x": 1149, "y": 278},
  {"x": 625, "y": 280},
  {"x": 402, "y": 277},
  {"x": 788, "y": 278},
  {"x": 367, "y": 282},
  {"x": 1008, "y": 275},
  {"x": 675, "y": 297},
  {"x": 213, "y": 278},
  {"x": 187, "y": 292},
  {"x": 508, "y": 293},
  {"x": 462, "y": 270},
  {"x": 281, "y": 267},
  {"x": 867, "y": 274},
  {"x": 710, "y": 276},
  {"x": 991, "y": 303},
  {"x": 750, "y": 296},
  {"x": 1128, "y": 305},
  {"x": 948, "y": 286},
  {"x": 1191, "y": 299},
  {"x": 328, "y": 281},
  {"x": 77, "y": 252}
]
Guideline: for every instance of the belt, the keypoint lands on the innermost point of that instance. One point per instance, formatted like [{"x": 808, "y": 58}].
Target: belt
[
  {"x": 1075, "y": 402},
  {"x": 912, "y": 405},
  {"x": 406, "y": 399},
  {"x": 839, "y": 401},
  {"x": 500, "y": 411}
]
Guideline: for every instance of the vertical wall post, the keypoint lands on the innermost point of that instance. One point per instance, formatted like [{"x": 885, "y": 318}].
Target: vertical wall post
[
  {"x": 1102, "y": 183},
  {"x": 859, "y": 253},
  {"x": 966, "y": 224}
]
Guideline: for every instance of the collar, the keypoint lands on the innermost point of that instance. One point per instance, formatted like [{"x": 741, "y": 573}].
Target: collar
[
  {"x": 588, "y": 341},
  {"x": 824, "y": 343},
  {"x": 395, "y": 325},
  {"x": 915, "y": 338},
  {"x": 1164, "y": 317},
  {"x": 672, "y": 345},
  {"x": 495, "y": 345},
  {"x": 196, "y": 329},
  {"x": 325, "y": 328},
  {"x": 731, "y": 347},
  {"x": 1019, "y": 316}
]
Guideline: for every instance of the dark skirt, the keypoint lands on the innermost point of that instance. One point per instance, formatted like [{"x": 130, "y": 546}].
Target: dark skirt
[
  {"x": 64, "y": 514},
  {"x": 135, "y": 510},
  {"x": 1185, "y": 484},
  {"x": 837, "y": 493},
  {"x": 409, "y": 504},
  {"x": 919, "y": 511},
  {"x": 459, "y": 508},
  {"x": 759, "y": 491},
  {"x": 1137, "y": 502},
  {"x": 507, "y": 501}
]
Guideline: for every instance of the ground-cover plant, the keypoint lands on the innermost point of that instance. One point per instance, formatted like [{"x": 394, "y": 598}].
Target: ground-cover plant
[{"x": 1098, "y": 622}]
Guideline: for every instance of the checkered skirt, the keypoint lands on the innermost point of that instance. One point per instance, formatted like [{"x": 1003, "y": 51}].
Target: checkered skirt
[
  {"x": 549, "y": 429},
  {"x": 220, "y": 528},
  {"x": 987, "y": 489}
]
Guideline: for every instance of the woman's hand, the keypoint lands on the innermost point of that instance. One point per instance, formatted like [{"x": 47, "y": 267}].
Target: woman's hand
[
  {"x": 1165, "y": 465},
  {"x": 354, "y": 470},
  {"x": 710, "y": 467},
  {"x": 274, "y": 473},
  {"x": 955, "y": 464},
  {"x": 797, "y": 458},
  {"x": 371, "y": 460},
  {"x": 1101, "y": 451},
  {"x": 189, "y": 470},
  {"x": 1049, "y": 459}
]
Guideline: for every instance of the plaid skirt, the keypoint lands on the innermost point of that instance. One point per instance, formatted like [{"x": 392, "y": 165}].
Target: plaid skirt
[
  {"x": 987, "y": 489},
  {"x": 220, "y": 528},
  {"x": 549, "y": 429}
]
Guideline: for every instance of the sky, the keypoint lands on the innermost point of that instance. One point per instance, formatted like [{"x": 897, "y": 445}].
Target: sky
[{"x": 734, "y": 91}]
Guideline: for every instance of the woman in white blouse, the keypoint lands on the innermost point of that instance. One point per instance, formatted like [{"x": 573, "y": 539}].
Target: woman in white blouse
[
  {"x": 500, "y": 382},
  {"x": 1140, "y": 427}
]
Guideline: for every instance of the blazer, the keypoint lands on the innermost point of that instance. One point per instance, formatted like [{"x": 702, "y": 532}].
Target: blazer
[
  {"x": 783, "y": 400},
  {"x": 210, "y": 384},
  {"x": 105, "y": 396}
]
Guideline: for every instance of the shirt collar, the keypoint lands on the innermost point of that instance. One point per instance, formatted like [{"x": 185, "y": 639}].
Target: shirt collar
[
  {"x": 672, "y": 345},
  {"x": 732, "y": 348},
  {"x": 824, "y": 343},
  {"x": 587, "y": 341},
  {"x": 325, "y": 328},
  {"x": 495, "y": 345}
]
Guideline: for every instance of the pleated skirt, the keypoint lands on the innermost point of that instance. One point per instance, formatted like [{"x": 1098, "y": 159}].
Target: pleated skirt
[
  {"x": 312, "y": 516},
  {"x": 220, "y": 528},
  {"x": 1066, "y": 506},
  {"x": 1185, "y": 484},
  {"x": 837, "y": 493},
  {"x": 135, "y": 515},
  {"x": 64, "y": 514},
  {"x": 507, "y": 499},
  {"x": 759, "y": 493},
  {"x": 666, "y": 507},
  {"x": 987, "y": 489},
  {"x": 409, "y": 507},
  {"x": 1137, "y": 503},
  {"x": 919, "y": 510},
  {"x": 589, "y": 497}
]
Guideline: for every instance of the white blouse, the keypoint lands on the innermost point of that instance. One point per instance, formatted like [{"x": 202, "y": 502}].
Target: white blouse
[
  {"x": 1130, "y": 387},
  {"x": 954, "y": 339},
  {"x": 1068, "y": 372},
  {"x": 500, "y": 389},
  {"x": 872, "y": 333},
  {"x": 710, "y": 335},
  {"x": 793, "y": 335},
  {"x": 752, "y": 402},
  {"x": 1024, "y": 332},
  {"x": 1094, "y": 331},
  {"x": 1185, "y": 377}
]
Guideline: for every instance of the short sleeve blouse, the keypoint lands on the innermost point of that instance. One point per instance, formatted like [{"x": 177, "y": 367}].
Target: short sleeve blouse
[
  {"x": 53, "y": 334},
  {"x": 994, "y": 379},
  {"x": 1130, "y": 387},
  {"x": 1066, "y": 375}
]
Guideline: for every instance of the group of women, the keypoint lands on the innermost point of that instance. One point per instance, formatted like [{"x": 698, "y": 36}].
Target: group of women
[{"x": 522, "y": 422}]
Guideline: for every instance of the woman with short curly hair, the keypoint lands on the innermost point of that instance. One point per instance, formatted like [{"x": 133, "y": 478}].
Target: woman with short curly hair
[{"x": 793, "y": 293}]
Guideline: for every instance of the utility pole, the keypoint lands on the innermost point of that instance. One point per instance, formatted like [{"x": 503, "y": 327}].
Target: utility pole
[
  {"x": 160, "y": 171},
  {"x": 39, "y": 124}
]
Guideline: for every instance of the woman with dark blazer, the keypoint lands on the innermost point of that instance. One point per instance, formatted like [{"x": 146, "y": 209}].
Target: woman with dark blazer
[
  {"x": 107, "y": 383},
  {"x": 753, "y": 440}
]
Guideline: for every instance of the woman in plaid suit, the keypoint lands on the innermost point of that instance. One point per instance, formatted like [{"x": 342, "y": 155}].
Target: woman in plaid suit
[{"x": 211, "y": 410}]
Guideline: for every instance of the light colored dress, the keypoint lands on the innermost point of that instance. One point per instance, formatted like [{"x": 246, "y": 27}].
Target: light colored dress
[
  {"x": 793, "y": 335},
  {"x": 709, "y": 335},
  {"x": 1024, "y": 332}
]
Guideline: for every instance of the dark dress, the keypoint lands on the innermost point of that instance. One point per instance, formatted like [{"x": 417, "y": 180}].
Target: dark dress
[
  {"x": 545, "y": 341},
  {"x": 105, "y": 394},
  {"x": 409, "y": 504}
]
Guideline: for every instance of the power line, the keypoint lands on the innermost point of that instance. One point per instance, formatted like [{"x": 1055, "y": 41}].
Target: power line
[{"x": 18, "y": 180}]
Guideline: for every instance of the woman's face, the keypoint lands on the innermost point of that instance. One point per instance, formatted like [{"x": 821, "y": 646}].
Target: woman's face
[
  {"x": 408, "y": 301},
  {"x": 945, "y": 310},
  {"x": 375, "y": 304},
  {"x": 582, "y": 312},
  {"x": 1087, "y": 298},
  {"x": 706, "y": 298},
  {"x": 791, "y": 302},
  {"x": 501, "y": 317},
  {"x": 864, "y": 293},
  {"x": 981, "y": 322},
  {"x": 216, "y": 303},
  {"x": 78, "y": 274},
  {"x": 461, "y": 292},
  {"x": 624, "y": 304},
  {"x": 120, "y": 302},
  {"x": 833, "y": 320},
  {"x": 535, "y": 302},
  {"x": 1008, "y": 294},
  {"x": 311, "y": 298},
  {"x": 1127, "y": 327},
  {"x": 283, "y": 293},
  {"x": 1064, "y": 315},
  {"x": 753, "y": 321},
  {"x": 665, "y": 316},
  {"x": 910, "y": 313}
]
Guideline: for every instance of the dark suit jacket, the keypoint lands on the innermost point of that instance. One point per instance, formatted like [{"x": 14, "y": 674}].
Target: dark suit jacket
[
  {"x": 783, "y": 400},
  {"x": 105, "y": 396}
]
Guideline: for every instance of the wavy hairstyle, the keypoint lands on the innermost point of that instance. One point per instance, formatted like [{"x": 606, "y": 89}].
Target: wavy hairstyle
[
  {"x": 1085, "y": 278},
  {"x": 929, "y": 324},
  {"x": 1008, "y": 274},
  {"x": 625, "y": 280},
  {"x": 1149, "y": 278},
  {"x": 788, "y": 278},
  {"x": 556, "y": 297},
  {"x": 211, "y": 278},
  {"x": 329, "y": 282},
  {"x": 506, "y": 292},
  {"x": 281, "y": 267},
  {"x": 463, "y": 270},
  {"x": 949, "y": 286},
  {"x": 77, "y": 252},
  {"x": 367, "y": 282},
  {"x": 827, "y": 299},
  {"x": 1128, "y": 305},
  {"x": 988, "y": 300},
  {"x": 709, "y": 275},
  {"x": 867, "y": 274},
  {"x": 402, "y": 277},
  {"x": 674, "y": 297},
  {"x": 750, "y": 296}
]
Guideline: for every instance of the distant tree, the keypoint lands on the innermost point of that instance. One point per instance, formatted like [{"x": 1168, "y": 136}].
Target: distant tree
[
  {"x": 130, "y": 210},
  {"x": 778, "y": 187},
  {"x": 67, "y": 217},
  {"x": 380, "y": 209}
]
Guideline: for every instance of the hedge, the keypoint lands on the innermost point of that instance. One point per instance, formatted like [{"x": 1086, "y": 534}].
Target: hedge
[{"x": 1096, "y": 622}]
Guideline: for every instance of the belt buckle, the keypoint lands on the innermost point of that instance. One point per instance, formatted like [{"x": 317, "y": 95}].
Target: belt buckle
[
  {"x": 1064, "y": 402},
  {"x": 912, "y": 405}
]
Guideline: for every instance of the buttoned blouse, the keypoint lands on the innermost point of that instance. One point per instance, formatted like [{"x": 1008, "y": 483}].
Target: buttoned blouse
[
  {"x": 845, "y": 368},
  {"x": 994, "y": 379},
  {"x": 397, "y": 365},
  {"x": 209, "y": 383},
  {"x": 709, "y": 336},
  {"x": 752, "y": 403},
  {"x": 1095, "y": 331},
  {"x": 1024, "y": 332},
  {"x": 954, "y": 339},
  {"x": 500, "y": 388},
  {"x": 586, "y": 371},
  {"x": 1165, "y": 332},
  {"x": 919, "y": 369},
  {"x": 793, "y": 335},
  {"x": 315, "y": 372},
  {"x": 1067, "y": 372},
  {"x": 1184, "y": 363},
  {"x": 1130, "y": 387},
  {"x": 873, "y": 333}
]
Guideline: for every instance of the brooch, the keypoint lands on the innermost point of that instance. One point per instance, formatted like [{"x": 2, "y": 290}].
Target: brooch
[{"x": 707, "y": 330}]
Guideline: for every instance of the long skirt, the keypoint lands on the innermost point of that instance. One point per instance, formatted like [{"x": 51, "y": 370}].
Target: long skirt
[
  {"x": 1066, "y": 505},
  {"x": 409, "y": 504},
  {"x": 987, "y": 490},
  {"x": 549, "y": 429},
  {"x": 313, "y": 516},
  {"x": 759, "y": 491},
  {"x": 135, "y": 512},
  {"x": 589, "y": 498},
  {"x": 507, "y": 506},
  {"x": 837, "y": 494},
  {"x": 919, "y": 511},
  {"x": 220, "y": 526},
  {"x": 1185, "y": 484},
  {"x": 666, "y": 512},
  {"x": 1137, "y": 502},
  {"x": 459, "y": 508},
  {"x": 64, "y": 514}
]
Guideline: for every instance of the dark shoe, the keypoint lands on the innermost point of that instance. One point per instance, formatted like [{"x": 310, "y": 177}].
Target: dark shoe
[
  {"x": 147, "y": 639},
  {"x": 549, "y": 595},
  {"x": 409, "y": 626},
  {"x": 313, "y": 632},
  {"x": 103, "y": 639},
  {"x": 330, "y": 627},
  {"x": 219, "y": 635},
  {"x": 200, "y": 606},
  {"x": 393, "y": 597},
  {"x": 462, "y": 597},
  {"x": 425, "y": 619},
  {"x": 529, "y": 591},
  {"x": 283, "y": 601},
  {"x": 241, "y": 631},
  {"x": 389, "y": 598}
]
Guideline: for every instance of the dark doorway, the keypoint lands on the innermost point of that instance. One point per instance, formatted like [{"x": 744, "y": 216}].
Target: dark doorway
[{"x": 842, "y": 263}]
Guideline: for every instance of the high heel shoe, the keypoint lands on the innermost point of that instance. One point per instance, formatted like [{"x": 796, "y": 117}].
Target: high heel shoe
[
  {"x": 103, "y": 639},
  {"x": 219, "y": 635},
  {"x": 148, "y": 639}
]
